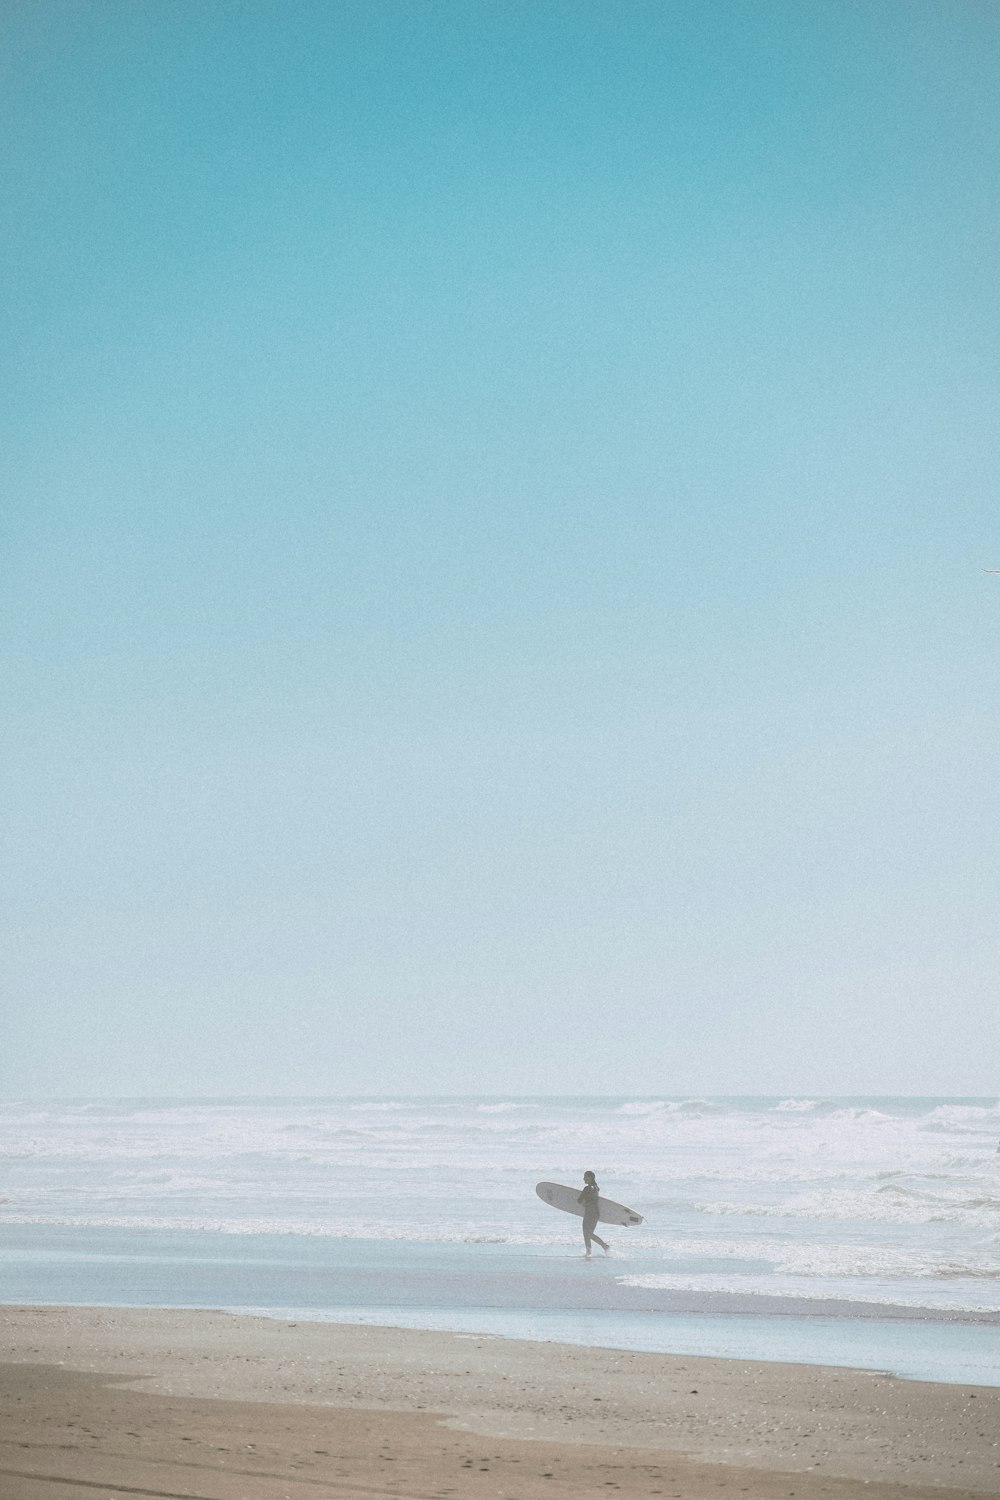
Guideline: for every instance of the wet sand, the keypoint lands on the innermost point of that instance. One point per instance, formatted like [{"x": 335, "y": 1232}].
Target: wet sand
[{"x": 205, "y": 1406}]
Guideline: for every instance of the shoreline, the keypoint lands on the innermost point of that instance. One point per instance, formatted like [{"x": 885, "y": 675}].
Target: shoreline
[
  {"x": 951, "y": 1350},
  {"x": 355, "y": 1266},
  {"x": 820, "y": 1424}
]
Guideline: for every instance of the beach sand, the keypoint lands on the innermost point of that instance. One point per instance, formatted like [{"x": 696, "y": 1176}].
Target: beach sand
[{"x": 207, "y": 1406}]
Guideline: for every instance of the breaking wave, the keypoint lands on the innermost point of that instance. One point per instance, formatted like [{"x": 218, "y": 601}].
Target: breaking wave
[{"x": 846, "y": 1192}]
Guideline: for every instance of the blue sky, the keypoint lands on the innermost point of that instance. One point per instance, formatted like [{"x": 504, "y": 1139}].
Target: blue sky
[{"x": 495, "y": 502}]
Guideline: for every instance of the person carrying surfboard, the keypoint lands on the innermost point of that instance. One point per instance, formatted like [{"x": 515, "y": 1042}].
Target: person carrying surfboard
[{"x": 589, "y": 1196}]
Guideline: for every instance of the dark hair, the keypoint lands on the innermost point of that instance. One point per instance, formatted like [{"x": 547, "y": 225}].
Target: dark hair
[{"x": 593, "y": 1179}]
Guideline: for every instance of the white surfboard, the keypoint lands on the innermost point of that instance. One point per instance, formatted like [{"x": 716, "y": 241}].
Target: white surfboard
[{"x": 608, "y": 1212}]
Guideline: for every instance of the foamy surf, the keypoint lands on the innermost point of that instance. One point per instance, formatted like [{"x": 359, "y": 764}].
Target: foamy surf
[{"x": 787, "y": 1202}]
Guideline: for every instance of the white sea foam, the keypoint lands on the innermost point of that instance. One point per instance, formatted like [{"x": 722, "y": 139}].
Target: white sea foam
[
  {"x": 888, "y": 1204},
  {"x": 846, "y": 1190}
]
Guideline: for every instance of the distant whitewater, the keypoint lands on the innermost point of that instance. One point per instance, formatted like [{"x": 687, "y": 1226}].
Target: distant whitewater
[{"x": 892, "y": 1199}]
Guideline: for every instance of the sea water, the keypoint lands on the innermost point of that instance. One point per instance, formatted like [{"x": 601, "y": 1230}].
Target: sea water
[{"x": 860, "y": 1232}]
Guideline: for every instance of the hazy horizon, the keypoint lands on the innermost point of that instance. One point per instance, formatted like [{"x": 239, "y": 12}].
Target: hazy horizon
[{"x": 512, "y": 1095}]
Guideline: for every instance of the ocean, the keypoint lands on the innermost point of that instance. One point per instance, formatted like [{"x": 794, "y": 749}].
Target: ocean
[{"x": 854, "y": 1231}]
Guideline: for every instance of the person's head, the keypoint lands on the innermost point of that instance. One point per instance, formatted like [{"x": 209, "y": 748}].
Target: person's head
[{"x": 590, "y": 1178}]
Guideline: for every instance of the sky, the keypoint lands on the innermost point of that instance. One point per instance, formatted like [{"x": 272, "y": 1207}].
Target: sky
[{"x": 495, "y": 502}]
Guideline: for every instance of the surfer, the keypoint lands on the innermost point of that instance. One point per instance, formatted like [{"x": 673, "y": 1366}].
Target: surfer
[{"x": 589, "y": 1197}]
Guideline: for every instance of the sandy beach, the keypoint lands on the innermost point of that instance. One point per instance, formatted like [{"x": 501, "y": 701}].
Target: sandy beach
[{"x": 208, "y": 1406}]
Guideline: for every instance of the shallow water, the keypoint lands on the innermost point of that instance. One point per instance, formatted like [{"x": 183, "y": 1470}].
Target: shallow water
[{"x": 859, "y": 1232}]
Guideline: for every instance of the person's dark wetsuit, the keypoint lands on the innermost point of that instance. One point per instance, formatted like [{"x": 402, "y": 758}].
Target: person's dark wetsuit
[{"x": 589, "y": 1198}]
